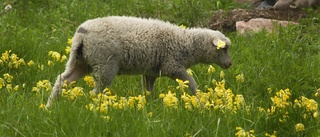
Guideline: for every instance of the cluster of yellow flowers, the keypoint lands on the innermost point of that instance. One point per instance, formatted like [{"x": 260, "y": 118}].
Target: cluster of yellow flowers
[
  {"x": 240, "y": 78},
  {"x": 105, "y": 101},
  {"x": 42, "y": 85},
  {"x": 309, "y": 105},
  {"x": 169, "y": 99},
  {"x": 89, "y": 81},
  {"x": 12, "y": 61},
  {"x": 281, "y": 103},
  {"x": 6, "y": 82},
  {"x": 218, "y": 98},
  {"x": 56, "y": 56},
  {"x": 71, "y": 91},
  {"x": 272, "y": 135},
  {"x": 243, "y": 133},
  {"x": 299, "y": 127},
  {"x": 281, "y": 100}
]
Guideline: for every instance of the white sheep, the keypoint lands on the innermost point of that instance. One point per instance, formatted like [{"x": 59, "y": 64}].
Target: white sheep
[{"x": 116, "y": 45}]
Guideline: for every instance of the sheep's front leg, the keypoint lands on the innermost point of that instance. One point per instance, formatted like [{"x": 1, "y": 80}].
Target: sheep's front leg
[
  {"x": 192, "y": 83},
  {"x": 149, "y": 82},
  {"x": 179, "y": 72}
]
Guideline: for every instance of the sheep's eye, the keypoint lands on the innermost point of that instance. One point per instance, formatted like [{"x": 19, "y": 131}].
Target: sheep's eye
[{"x": 225, "y": 49}]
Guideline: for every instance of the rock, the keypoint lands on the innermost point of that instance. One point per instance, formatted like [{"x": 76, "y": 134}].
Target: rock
[{"x": 258, "y": 24}]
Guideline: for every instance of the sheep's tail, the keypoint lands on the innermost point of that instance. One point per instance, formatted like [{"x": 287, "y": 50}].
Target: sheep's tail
[{"x": 76, "y": 52}]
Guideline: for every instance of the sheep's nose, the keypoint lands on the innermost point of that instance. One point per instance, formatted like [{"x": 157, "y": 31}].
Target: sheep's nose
[{"x": 228, "y": 64}]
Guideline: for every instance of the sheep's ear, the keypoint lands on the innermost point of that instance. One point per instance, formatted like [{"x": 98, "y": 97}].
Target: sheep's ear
[
  {"x": 219, "y": 43},
  {"x": 215, "y": 42}
]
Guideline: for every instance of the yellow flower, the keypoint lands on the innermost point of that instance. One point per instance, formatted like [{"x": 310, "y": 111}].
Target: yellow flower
[
  {"x": 182, "y": 84},
  {"x": 2, "y": 83},
  {"x": 14, "y": 57},
  {"x": 182, "y": 26},
  {"x": 89, "y": 80},
  {"x": 221, "y": 44},
  {"x": 5, "y": 56},
  {"x": 317, "y": 93},
  {"x": 211, "y": 69},
  {"x": 9, "y": 87},
  {"x": 73, "y": 93},
  {"x": 50, "y": 63},
  {"x": 161, "y": 95},
  {"x": 63, "y": 58},
  {"x": 281, "y": 100},
  {"x": 239, "y": 101},
  {"x": 30, "y": 63},
  {"x": 54, "y": 55},
  {"x": 41, "y": 67},
  {"x": 240, "y": 78},
  {"x": 131, "y": 102},
  {"x": 299, "y": 127},
  {"x": 242, "y": 133},
  {"x": 150, "y": 114},
  {"x": 42, "y": 84},
  {"x": 190, "y": 72},
  {"x": 16, "y": 88},
  {"x": 106, "y": 118},
  {"x": 273, "y": 135},
  {"x": 67, "y": 49},
  {"x": 195, "y": 101},
  {"x": 170, "y": 100},
  {"x": 7, "y": 77},
  {"x": 222, "y": 74},
  {"x": 315, "y": 114},
  {"x": 310, "y": 105},
  {"x": 90, "y": 106},
  {"x": 20, "y": 62},
  {"x": 70, "y": 41},
  {"x": 42, "y": 106},
  {"x": 141, "y": 102}
]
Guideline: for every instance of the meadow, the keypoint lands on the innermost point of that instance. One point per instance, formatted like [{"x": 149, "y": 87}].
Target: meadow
[{"x": 272, "y": 89}]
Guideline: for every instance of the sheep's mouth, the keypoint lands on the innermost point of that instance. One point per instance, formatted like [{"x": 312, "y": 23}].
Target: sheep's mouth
[{"x": 225, "y": 66}]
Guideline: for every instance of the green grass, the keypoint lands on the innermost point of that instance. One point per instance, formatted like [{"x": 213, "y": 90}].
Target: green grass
[{"x": 287, "y": 59}]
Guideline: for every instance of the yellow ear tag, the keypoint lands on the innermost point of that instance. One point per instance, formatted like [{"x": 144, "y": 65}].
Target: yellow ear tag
[
  {"x": 221, "y": 44},
  {"x": 182, "y": 26}
]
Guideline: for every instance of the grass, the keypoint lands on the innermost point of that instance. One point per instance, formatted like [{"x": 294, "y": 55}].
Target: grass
[{"x": 270, "y": 64}]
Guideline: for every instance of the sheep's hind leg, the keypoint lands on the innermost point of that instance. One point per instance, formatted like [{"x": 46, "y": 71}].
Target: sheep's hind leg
[
  {"x": 69, "y": 75},
  {"x": 104, "y": 75}
]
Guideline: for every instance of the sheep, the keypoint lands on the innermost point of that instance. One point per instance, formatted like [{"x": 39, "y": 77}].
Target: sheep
[{"x": 116, "y": 45}]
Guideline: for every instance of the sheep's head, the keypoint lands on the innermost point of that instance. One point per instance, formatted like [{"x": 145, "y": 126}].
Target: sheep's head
[
  {"x": 218, "y": 50},
  {"x": 222, "y": 46}
]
